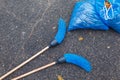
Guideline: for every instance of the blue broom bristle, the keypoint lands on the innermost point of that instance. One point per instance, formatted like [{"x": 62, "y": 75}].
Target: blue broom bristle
[
  {"x": 61, "y": 31},
  {"x": 79, "y": 61}
]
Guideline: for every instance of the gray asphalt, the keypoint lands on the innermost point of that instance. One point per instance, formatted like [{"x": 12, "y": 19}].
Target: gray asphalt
[{"x": 27, "y": 26}]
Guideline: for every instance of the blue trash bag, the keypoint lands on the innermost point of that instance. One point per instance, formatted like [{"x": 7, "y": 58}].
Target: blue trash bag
[
  {"x": 84, "y": 16},
  {"x": 111, "y": 14}
]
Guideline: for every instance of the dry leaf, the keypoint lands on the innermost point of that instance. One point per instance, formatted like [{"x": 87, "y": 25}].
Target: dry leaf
[
  {"x": 81, "y": 38},
  {"x": 107, "y": 4},
  {"x": 60, "y": 77}
]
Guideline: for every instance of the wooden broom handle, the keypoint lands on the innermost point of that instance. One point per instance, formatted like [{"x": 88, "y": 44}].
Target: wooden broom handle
[
  {"x": 25, "y": 62},
  {"x": 33, "y": 71}
]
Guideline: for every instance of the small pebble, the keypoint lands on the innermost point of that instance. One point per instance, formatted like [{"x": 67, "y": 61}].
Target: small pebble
[
  {"x": 3, "y": 65},
  {"x": 53, "y": 27},
  {"x": 16, "y": 26},
  {"x": 108, "y": 47}
]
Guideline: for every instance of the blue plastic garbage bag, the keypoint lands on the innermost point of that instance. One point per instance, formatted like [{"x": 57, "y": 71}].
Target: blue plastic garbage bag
[
  {"x": 111, "y": 14},
  {"x": 84, "y": 16}
]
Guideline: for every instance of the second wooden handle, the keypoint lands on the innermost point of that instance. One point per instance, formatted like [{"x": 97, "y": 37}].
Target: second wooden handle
[{"x": 33, "y": 71}]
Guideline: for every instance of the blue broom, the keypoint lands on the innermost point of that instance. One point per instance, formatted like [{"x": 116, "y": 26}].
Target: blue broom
[
  {"x": 57, "y": 40},
  {"x": 68, "y": 58}
]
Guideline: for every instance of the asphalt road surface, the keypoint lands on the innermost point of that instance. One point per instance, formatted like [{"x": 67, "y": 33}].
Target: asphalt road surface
[{"x": 27, "y": 26}]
